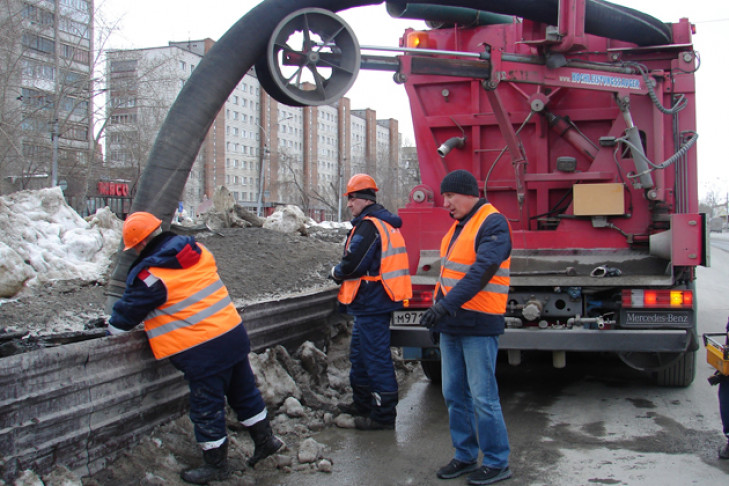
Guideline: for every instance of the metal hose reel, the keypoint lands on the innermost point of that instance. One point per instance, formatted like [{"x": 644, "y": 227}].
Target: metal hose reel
[{"x": 312, "y": 58}]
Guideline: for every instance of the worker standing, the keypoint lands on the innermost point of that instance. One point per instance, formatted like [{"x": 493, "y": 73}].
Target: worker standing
[
  {"x": 723, "y": 382},
  {"x": 374, "y": 279},
  {"x": 174, "y": 288},
  {"x": 468, "y": 315}
]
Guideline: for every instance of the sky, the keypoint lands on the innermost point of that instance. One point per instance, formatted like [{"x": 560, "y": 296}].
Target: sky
[{"x": 187, "y": 19}]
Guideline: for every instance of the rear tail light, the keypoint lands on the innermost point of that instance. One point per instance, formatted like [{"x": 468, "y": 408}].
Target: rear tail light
[
  {"x": 422, "y": 298},
  {"x": 649, "y": 298},
  {"x": 417, "y": 40}
]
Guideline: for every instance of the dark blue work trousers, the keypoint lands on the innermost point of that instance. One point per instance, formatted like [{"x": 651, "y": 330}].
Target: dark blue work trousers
[
  {"x": 207, "y": 400},
  {"x": 724, "y": 406},
  {"x": 370, "y": 354}
]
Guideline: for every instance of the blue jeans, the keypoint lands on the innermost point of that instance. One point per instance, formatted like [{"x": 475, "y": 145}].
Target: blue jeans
[{"x": 472, "y": 397}]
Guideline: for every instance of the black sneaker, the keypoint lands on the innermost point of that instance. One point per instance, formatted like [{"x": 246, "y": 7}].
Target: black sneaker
[
  {"x": 724, "y": 451},
  {"x": 456, "y": 468},
  {"x": 488, "y": 475},
  {"x": 366, "y": 423}
]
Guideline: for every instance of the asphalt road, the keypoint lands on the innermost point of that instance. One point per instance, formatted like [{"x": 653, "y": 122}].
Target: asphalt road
[{"x": 595, "y": 422}]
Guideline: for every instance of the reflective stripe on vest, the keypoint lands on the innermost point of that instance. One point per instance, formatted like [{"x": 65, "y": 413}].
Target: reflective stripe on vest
[
  {"x": 394, "y": 266},
  {"x": 457, "y": 261},
  {"x": 198, "y": 308}
]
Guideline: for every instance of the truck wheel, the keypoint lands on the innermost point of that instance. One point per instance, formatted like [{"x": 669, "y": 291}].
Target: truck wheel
[
  {"x": 667, "y": 369},
  {"x": 679, "y": 374},
  {"x": 431, "y": 369}
]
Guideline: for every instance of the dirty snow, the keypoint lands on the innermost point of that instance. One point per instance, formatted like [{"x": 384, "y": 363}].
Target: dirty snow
[{"x": 42, "y": 239}]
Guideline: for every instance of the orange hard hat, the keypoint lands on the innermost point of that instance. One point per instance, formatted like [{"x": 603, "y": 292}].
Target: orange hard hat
[
  {"x": 360, "y": 182},
  {"x": 137, "y": 227}
]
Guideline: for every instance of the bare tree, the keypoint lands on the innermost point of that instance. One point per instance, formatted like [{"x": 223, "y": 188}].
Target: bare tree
[{"x": 46, "y": 91}]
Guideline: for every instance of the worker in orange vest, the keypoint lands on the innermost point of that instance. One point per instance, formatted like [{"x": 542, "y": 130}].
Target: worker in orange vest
[
  {"x": 468, "y": 315},
  {"x": 174, "y": 288},
  {"x": 723, "y": 381},
  {"x": 375, "y": 279}
]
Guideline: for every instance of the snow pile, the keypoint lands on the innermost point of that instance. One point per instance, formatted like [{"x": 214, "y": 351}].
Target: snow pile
[{"x": 42, "y": 239}]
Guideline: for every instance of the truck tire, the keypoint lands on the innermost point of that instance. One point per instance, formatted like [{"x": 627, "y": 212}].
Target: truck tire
[
  {"x": 431, "y": 370},
  {"x": 679, "y": 374}
]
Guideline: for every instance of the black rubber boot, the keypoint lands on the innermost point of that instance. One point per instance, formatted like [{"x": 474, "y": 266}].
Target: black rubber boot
[
  {"x": 266, "y": 443},
  {"x": 382, "y": 415},
  {"x": 353, "y": 409},
  {"x": 361, "y": 402},
  {"x": 214, "y": 469}
]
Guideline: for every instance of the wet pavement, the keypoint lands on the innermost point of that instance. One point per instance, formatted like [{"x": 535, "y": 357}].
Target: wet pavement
[{"x": 594, "y": 422}]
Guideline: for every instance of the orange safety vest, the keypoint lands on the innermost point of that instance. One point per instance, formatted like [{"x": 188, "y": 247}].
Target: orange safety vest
[
  {"x": 394, "y": 268},
  {"x": 456, "y": 262},
  {"x": 198, "y": 308}
]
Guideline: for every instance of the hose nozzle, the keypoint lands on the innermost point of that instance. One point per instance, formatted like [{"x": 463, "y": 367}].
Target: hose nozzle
[{"x": 450, "y": 144}]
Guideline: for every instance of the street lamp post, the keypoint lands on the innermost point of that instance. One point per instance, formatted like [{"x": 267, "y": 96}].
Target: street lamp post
[
  {"x": 261, "y": 173},
  {"x": 340, "y": 176}
]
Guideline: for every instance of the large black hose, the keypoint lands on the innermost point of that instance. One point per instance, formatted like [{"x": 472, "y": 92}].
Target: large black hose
[
  {"x": 204, "y": 94},
  {"x": 193, "y": 112},
  {"x": 601, "y": 18}
]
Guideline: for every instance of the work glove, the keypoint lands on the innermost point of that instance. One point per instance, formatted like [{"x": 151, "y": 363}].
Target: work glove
[
  {"x": 333, "y": 276},
  {"x": 433, "y": 315}
]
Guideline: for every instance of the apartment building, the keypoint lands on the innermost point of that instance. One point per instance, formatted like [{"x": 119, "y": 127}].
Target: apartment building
[
  {"x": 46, "y": 65},
  {"x": 265, "y": 153}
]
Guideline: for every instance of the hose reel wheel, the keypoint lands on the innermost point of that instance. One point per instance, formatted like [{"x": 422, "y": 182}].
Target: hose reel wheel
[{"x": 312, "y": 58}]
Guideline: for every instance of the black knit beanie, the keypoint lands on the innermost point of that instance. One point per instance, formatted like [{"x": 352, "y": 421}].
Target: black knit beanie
[
  {"x": 460, "y": 182},
  {"x": 364, "y": 194}
]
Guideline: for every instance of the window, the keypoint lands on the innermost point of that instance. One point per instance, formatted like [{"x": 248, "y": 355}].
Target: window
[
  {"x": 121, "y": 156},
  {"x": 36, "y": 15},
  {"x": 124, "y": 119},
  {"x": 37, "y": 70},
  {"x": 36, "y": 100},
  {"x": 123, "y": 102},
  {"x": 76, "y": 54},
  {"x": 75, "y": 132},
  {"x": 72, "y": 27},
  {"x": 34, "y": 125},
  {"x": 81, "y": 5},
  {"x": 38, "y": 43},
  {"x": 71, "y": 78},
  {"x": 74, "y": 105},
  {"x": 36, "y": 151},
  {"x": 183, "y": 65}
]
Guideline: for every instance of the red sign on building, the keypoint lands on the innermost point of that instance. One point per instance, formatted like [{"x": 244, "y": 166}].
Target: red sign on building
[{"x": 113, "y": 188}]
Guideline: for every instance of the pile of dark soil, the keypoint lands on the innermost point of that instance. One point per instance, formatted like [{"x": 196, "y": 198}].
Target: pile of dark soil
[{"x": 256, "y": 264}]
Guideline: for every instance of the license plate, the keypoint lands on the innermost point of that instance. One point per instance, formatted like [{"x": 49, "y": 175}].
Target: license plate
[{"x": 407, "y": 318}]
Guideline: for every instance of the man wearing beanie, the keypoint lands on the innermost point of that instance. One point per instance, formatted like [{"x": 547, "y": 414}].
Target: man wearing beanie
[
  {"x": 468, "y": 315},
  {"x": 375, "y": 279}
]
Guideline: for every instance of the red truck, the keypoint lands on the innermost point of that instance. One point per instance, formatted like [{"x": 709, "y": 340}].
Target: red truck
[
  {"x": 577, "y": 118},
  {"x": 580, "y": 128}
]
